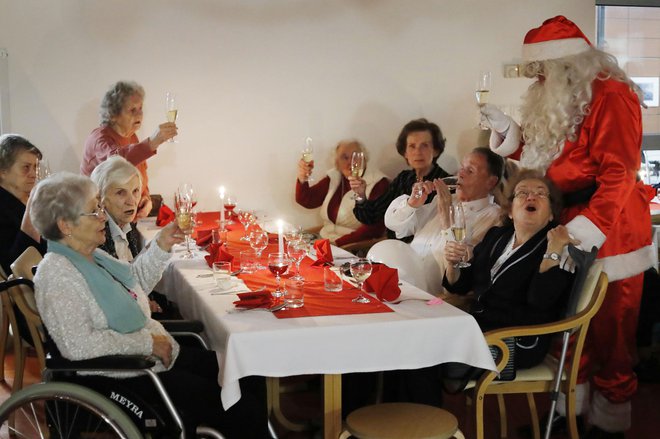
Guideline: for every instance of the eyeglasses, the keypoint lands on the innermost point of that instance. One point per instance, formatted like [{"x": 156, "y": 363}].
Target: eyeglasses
[
  {"x": 98, "y": 212},
  {"x": 522, "y": 195}
]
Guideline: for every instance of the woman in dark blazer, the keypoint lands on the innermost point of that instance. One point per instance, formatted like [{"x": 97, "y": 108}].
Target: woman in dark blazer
[{"x": 515, "y": 271}]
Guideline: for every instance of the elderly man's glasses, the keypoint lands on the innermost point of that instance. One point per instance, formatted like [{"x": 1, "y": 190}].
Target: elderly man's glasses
[
  {"x": 98, "y": 212},
  {"x": 522, "y": 194}
]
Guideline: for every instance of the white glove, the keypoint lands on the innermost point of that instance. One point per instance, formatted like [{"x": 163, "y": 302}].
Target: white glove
[{"x": 493, "y": 118}]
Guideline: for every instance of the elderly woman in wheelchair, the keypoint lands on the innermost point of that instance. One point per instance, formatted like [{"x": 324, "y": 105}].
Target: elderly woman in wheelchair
[{"x": 93, "y": 305}]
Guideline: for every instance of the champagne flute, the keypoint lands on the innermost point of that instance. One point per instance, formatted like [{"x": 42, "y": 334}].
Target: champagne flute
[
  {"x": 484, "y": 83},
  {"x": 184, "y": 219},
  {"x": 358, "y": 165},
  {"x": 308, "y": 156},
  {"x": 171, "y": 111},
  {"x": 278, "y": 264},
  {"x": 297, "y": 250},
  {"x": 451, "y": 182},
  {"x": 458, "y": 228},
  {"x": 361, "y": 270}
]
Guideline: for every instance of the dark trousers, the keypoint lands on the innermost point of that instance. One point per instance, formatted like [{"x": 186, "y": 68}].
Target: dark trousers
[{"x": 193, "y": 387}]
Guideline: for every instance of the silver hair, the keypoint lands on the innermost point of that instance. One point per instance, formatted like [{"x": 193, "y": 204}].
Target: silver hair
[
  {"x": 115, "y": 98},
  {"x": 62, "y": 196},
  {"x": 10, "y": 146},
  {"x": 114, "y": 171},
  {"x": 355, "y": 142}
]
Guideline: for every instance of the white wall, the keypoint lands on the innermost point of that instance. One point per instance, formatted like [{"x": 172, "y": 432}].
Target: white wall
[{"x": 255, "y": 77}]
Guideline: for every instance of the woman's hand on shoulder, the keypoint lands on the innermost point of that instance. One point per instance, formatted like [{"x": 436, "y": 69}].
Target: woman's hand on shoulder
[
  {"x": 558, "y": 238},
  {"x": 26, "y": 223}
]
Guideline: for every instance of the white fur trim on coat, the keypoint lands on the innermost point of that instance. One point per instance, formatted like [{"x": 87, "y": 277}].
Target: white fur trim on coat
[
  {"x": 553, "y": 49},
  {"x": 510, "y": 144},
  {"x": 583, "y": 229},
  {"x": 629, "y": 264},
  {"x": 609, "y": 416}
]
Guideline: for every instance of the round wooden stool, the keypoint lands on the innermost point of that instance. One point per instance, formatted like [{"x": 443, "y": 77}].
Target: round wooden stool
[{"x": 402, "y": 420}]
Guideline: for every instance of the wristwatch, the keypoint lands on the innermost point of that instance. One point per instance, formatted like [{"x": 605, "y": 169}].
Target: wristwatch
[{"x": 553, "y": 256}]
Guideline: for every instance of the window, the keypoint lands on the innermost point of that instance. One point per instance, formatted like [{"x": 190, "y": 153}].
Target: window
[{"x": 630, "y": 30}]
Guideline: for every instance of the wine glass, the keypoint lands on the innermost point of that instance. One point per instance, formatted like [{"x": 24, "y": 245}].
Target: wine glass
[
  {"x": 245, "y": 217},
  {"x": 358, "y": 165},
  {"x": 43, "y": 170},
  {"x": 184, "y": 219},
  {"x": 484, "y": 83},
  {"x": 278, "y": 264},
  {"x": 171, "y": 111},
  {"x": 361, "y": 270},
  {"x": 458, "y": 228},
  {"x": 229, "y": 204},
  {"x": 293, "y": 233},
  {"x": 308, "y": 156},
  {"x": 258, "y": 242},
  {"x": 297, "y": 250}
]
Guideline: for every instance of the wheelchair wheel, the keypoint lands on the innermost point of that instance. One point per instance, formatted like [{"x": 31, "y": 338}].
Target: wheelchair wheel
[{"x": 63, "y": 410}]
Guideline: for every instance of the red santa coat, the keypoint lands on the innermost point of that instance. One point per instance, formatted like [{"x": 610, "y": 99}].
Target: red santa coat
[{"x": 607, "y": 153}]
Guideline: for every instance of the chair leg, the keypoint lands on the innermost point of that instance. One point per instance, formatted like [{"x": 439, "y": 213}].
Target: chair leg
[
  {"x": 504, "y": 429},
  {"x": 4, "y": 336},
  {"x": 459, "y": 435},
  {"x": 19, "y": 365},
  {"x": 533, "y": 413},
  {"x": 273, "y": 388},
  {"x": 479, "y": 416}
]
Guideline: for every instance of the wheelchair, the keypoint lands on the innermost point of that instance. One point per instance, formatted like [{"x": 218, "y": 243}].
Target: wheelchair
[{"x": 72, "y": 404}]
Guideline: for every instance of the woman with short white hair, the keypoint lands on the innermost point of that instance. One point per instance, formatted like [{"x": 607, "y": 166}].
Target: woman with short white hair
[{"x": 95, "y": 305}]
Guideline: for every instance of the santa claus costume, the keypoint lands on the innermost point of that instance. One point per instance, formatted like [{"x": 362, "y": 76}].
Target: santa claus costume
[{"x": 593, "y": 158}]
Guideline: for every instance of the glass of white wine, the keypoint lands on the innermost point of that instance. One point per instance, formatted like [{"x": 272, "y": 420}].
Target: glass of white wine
[
  {"x": 308, "y": 156},
  {"x": 361, "y": 270},
  {"x": 458, "y": 228},
  {"x": 184, "y": 219},
  {"x": 171, "y": 110},
  {"x": 484, "y": 83},
  {"x": 358, "y": 165}
]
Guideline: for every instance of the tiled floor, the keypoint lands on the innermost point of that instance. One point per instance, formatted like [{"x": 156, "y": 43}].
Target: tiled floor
[{"x": 305, "y": 406}]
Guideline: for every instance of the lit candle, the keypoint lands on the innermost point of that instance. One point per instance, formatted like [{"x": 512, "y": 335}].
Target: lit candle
[
  {"x": 280, "y": 235},
  {"x": 222, "y": 207}
]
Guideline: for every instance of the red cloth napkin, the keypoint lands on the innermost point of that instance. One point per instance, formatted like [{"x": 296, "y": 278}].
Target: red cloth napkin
[
  {"x": 384, "y": 281},
  {"x": 165, "y": 216},
  {"x": 323, "y": 253},
  {"x": 259, "y": 299},
  {"x": 217, "y": 253},
  {"x": 204, "y": 238}
]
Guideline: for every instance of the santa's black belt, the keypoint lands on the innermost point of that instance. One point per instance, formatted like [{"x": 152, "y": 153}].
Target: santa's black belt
[{"x": 580, "y": 196}]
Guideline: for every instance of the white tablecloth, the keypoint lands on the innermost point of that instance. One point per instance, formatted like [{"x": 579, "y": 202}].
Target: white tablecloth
[{"x": 257, "y": 343}]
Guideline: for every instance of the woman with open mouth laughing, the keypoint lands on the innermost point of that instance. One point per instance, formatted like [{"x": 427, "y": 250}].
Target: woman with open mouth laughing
[{"x": 515, "y": 271}]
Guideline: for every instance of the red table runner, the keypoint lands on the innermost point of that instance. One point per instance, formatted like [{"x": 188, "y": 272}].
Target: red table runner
[{"x": 318, "y": 302}]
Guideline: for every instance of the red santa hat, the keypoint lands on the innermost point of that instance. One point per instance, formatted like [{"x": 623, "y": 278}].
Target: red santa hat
[{"x": 557, "y": 37}]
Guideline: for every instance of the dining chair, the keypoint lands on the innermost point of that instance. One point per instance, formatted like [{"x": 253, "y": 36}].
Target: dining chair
[
  {"x": 542, "y": 378},
  {"x": 28, "y": 331}
]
